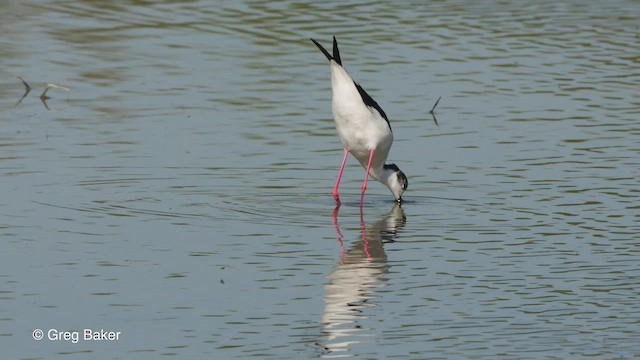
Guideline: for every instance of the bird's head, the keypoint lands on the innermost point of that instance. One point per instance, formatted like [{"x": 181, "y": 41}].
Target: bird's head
[{"x": 395, "y": 180}]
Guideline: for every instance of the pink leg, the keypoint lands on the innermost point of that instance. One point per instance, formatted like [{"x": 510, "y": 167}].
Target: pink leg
[
  {"x": 335, "y": 188},
  {"x": 366, "y": 177}
]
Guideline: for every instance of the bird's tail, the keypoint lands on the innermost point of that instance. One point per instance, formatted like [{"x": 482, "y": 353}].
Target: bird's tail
[{"x": 336, "y": 52}]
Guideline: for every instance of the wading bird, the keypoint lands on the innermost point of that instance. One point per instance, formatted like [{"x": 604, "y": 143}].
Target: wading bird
[{"x": 364, "y": 129}]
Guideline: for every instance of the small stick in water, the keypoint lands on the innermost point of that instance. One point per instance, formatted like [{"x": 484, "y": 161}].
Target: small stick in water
[
  {"x": 27, "y": 90},
  {"x": 44, "y": 96},
  {"x": 434, "y": 105},
  {"x": 54, "y": 86},
  {"x": 432, "y": 111},
  {"x": 25, "y": 83}
]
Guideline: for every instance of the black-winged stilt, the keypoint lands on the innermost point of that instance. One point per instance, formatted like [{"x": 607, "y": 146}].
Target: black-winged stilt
[{"x": 363, "y": 127}]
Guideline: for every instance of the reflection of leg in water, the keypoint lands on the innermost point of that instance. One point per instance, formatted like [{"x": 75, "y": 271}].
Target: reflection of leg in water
[
  {"x": 356, "y": 282},
  {"x": 337, "y": 227},
  {"x": 363, "y": 231}
]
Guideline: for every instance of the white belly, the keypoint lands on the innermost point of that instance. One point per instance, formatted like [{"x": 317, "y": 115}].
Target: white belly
[{"x": 360, "y": 127}]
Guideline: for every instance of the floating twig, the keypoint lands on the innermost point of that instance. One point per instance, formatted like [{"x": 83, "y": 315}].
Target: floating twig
[
  {"x": 25, "y": 83},
  {"x": 434, "y": 105},
  {"x": 27, "y": 90},
  {"x": 52, "y": 86},
  {"x": 44, "y": 96},
  {"x": 433, "y": 113},
  {"x": 44, "y": 102}
]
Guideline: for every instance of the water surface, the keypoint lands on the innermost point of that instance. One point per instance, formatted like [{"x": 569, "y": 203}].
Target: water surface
[{"x": 180, "y": 192}]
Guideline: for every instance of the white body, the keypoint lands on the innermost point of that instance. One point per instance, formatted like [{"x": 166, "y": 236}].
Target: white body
[
  {"x": 360, "y": 127},
  {"x": 363, "y": 128}
]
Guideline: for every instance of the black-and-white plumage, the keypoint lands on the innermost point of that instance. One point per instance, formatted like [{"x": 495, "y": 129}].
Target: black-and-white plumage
[{"x": 363, "y": 127}]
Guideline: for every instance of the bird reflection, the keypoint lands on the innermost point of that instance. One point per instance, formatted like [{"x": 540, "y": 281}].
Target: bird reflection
[{"x": 356, "y": 281}]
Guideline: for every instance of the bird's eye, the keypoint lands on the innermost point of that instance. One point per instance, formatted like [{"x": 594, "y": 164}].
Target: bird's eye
[{"x": 402, "y": 179}]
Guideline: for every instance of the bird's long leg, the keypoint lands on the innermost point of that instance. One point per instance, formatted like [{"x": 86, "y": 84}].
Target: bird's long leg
[
  {"x": 366, "y": 176},
  {"x": 335, "y": 188}
]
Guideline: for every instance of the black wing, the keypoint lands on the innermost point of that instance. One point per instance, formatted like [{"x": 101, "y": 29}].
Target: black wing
[
  {"x": 336, "y": 52},
  {"x": 368, "y": 100}
]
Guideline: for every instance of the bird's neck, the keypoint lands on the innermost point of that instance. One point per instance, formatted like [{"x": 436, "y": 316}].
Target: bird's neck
[{"x": 381, "y": 173}]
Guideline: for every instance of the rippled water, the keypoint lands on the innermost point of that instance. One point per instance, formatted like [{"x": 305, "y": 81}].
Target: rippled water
[{"x": 180, "y": 192}]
